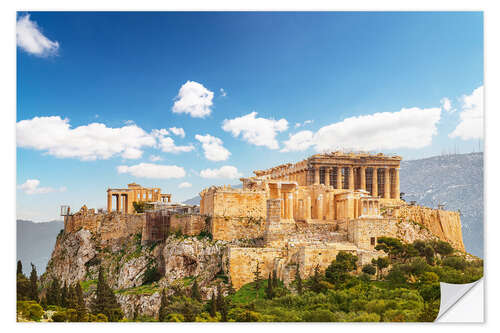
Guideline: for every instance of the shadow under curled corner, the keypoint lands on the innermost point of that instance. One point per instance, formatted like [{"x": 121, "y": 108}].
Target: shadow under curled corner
[{"x": 453, "y": 298}]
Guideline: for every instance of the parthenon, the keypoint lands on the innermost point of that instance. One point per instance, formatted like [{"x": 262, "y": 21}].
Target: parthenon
[
  {"x": 125, "y": 197},
  {"x": 376, "y": 173}
]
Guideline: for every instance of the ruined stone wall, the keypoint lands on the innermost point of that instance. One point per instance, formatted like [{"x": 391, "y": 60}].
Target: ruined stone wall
[
  {"x": 156, "y": 227},
  {"x": 190, "y": 224},
  {"x": 444, "y": 224},
  {"x": 234, "y": 228},
  {"x": 108, "y": 226},
  {"x": 242, "y": 262},
  {"x": 235, "y": 203},
  {"x": 321, "y": 256}
]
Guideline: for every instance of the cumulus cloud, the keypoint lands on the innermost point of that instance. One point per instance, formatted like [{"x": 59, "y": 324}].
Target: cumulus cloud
[
  {"x": 30, "y": 39},
  {"x": 304, "y": 123},
  {"x": 194, "y": 99},
  {"x": 89, "y": 142},
  {"x": 31, "y": 186},
  {"x": 178, "y": 131},
  {"x": 226, "y": 171},
  {"x": 446, "y": 105},
  {"x": 408, "y": 128},
  {"x": 471, "y": 117},
  {"x": 185, "y": 185},
  {"x": 213, "y": 148},
  {"x": 167, "y": 145},
  {"x": 155, "y": 171},
  {"x": 257, "y": 131},
  {"x": 155, "y": 158}
]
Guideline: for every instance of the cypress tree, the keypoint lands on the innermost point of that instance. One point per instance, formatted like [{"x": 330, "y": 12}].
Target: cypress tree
[
  {"x": 195, "y": 291},
  {"x": 269, "y": 290},
  {"x": 257, "y": 277},
  {"x": 220, "y": 298},
  {"x": 162, "y": 313},
  {"x": 298, "y": 280},
  {"x": 213, "y": 306},
  {"x": 105, "y": 301},
  {"x": 275, "y": 279},
  {"x": 33, "y": 284},
  {"x": 81, "y": 310},
  {"x": 19, "y": 267},
  {"x": 64, "y": 296},
  {"x": 53, "y": 294}
]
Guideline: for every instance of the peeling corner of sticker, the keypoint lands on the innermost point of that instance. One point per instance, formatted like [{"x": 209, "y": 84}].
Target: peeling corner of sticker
[{"x": 451, "y": 294}]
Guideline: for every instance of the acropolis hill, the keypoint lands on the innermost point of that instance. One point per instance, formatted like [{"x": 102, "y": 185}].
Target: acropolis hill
[{"x": 289, "y": 217}]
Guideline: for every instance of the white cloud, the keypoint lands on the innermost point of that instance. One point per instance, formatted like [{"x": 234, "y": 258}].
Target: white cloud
[
  {"x": 213, "y": 148},
  {"x": 89, "y": 142},
  {"x": 178, "y": 131},
  {"x": 185, "y": 185},
  {"x": 446, "y": 105},
  {"x": 31, "y": 186},
  {"x": 155, "y": 158},
  {"x": 304, "y": 123},
  {"x": 258, "y": 131},
  {"x": 223, "y": 93},
  {"x": 30, "y": 39},
  {"x": 226, "y": 171},
  {"x": 156, "y": 171},
  {"x": 408, "y": 128},
  {"x": 167, "y": 144},
  {"x": 471, "y": 117},
  {"x": 194, "y": 99}
]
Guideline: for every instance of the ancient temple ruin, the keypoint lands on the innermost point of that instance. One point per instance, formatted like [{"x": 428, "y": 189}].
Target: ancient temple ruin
[{"x": 124, "y": 198}]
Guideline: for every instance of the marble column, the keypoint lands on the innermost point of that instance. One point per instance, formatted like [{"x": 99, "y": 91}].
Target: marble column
[
  {"x": 119, "y": 203},
  {"x": 375, "y": 182},
  {"x": 316, "y": 175},
  {"x": 351, "y": 178},
  {"x": 396, "y": 183},
  {"x": 328, "y": 171},
  {"x": 387, "y": 184},
  {"x": 339, "y": 178},
  {"x": 307, "y": 208},
  {"x": 362, "y": 172},
  {"x": 110, "y": 202}
]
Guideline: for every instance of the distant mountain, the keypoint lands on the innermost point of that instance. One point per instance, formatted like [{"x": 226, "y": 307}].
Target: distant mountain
[
  {"x": 455, "y": 181},
  {"x": 35, "y": 242},
  {"x": 193, "y": 201}
]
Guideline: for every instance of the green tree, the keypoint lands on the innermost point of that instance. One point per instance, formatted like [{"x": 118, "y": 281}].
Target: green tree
[
  {"x": 338, "y": 271},
  {"x": 195, "y": 291},
  {"x": 315, "y": 281},
  {"x": 269, "y": 289},
  {"x": 54, "y": 293},
  {"x": 392, "y": 246},
  {"x": 380, "y": 263},
  {"x": 429, "y": 254},
  {"x": 369, "y": 269},
  {"x": 275, "y": 279},
  {"x": 163, "y": 312},
  {"x": 19, "y": 267},
  {"x": 64, "y": 296},
  {"x": 443, "y": 248},
  {"x": 213, "y": 306},
  {"x": 105, "y": 301},
  {"x": 257, "y": 277},
  {"x": 81, "y": 310},
  {"x": 298, "y": 281},
  {"x": 220, "y": 297}
]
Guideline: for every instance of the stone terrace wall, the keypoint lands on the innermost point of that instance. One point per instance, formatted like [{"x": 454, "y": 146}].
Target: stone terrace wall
[
  {"x": 190, "y": 225},
  {"x": 108, "y": 226},
  {"x": 360, "y": 231},
  {"x": 234, "y": 228},
  {"x": 233, "y": 202},
  {"x": 444, "y": 224},
  {"x": 242, "y": 262}
]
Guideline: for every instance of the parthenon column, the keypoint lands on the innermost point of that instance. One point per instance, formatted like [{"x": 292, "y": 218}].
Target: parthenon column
[
  {"x": 396, "y": 183},
  {"x": 328, "y": 171},
  {"x": 119, "y": 203},
  {"x": 316, "y": 175},
  {"x": 351, "y": 178},
  {"x": 363, "y": 177},
  {"x": 375, "y": 182},
  {"x": 339, "y": 178},
  {"x": 110, "y": 201},
  {"x": 290, "y": 205},
  {"x": 387, "y": 184},
  {"x": 307, "y": 208}
]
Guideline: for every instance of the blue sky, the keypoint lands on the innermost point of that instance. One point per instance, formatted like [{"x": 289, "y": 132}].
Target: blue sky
[{"x": 249, "y": 90}]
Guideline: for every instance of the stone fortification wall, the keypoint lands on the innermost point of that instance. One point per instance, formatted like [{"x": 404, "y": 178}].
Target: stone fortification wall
[
  {"x": 233, "y": 202},
  {"x": 108, "y": 226},
  {"x": 444, "y": 224},
  {"x": 242, "y": 263},
  {"x": 364, "y": 232},
  {"x": 190, "y": 224},
  {"x": 234, "y": 228}
]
